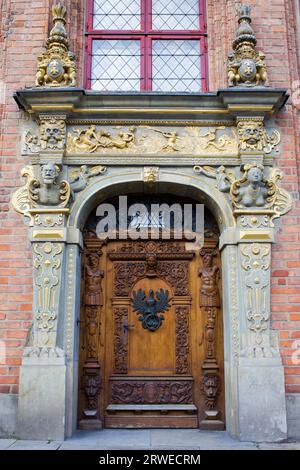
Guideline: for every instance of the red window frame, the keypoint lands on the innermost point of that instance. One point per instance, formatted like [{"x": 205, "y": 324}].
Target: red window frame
[{"x": 146, "y": 34}]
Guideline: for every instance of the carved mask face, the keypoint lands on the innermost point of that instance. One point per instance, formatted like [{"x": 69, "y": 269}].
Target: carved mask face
[
  {"x": 251, "y": 135},
  {"x": 211, "y": 386},
  {"x": 53, "y": 135},
  {"x": 246, "y": 52},
  {"x": 255, "y": 175},
  {"x": 48, "y": 173}
]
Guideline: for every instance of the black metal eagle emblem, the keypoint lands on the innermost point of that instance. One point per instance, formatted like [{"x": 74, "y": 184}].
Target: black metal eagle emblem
[{"x": 148, "y": 309}]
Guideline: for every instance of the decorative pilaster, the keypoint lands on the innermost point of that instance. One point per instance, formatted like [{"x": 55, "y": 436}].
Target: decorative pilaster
[
  {"x": 210, "y": 307},
  {"x": 92, "y": 379}
]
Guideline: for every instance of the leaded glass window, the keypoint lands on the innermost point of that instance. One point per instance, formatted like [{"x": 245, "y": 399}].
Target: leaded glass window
[{"x": 142, "y": 45}]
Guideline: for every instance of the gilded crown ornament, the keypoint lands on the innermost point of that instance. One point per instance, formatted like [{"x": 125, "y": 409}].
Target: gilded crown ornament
[
  {"x": 56, "y": 67},
  {"x": 246, "y": 66}
]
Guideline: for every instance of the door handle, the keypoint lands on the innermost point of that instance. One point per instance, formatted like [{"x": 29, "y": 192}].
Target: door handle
[{"x": 127, "y": 327}]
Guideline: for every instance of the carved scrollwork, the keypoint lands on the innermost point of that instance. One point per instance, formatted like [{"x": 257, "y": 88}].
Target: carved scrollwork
[
  {"x": 126, "y": 274},
  {"x": 47, "y": 263},
  {"x": 150, "y": 392},
  {"x": 182, "y": 339},
  {"x": 120, "y": 340},
  {"x": 256, "y": 262}
]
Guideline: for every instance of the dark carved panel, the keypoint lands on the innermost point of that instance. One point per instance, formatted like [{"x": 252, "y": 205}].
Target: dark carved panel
[
  {"x": 120, "y": 340},
  {"x": 210, "y": 387},
  {"x": 209, "y": 301},
  {"x": 126, "y": 274},
  {"x": 149, "y": 392},
  {"x": 177, "y": 274},
  {"x": 182, "y": 340},
  {"x": 91, "y": 385},
  {"x": 91, "y": 331}
]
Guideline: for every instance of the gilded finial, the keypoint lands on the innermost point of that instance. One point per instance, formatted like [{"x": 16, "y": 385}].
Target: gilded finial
[
  {"x": 246, "y": 66},
  {"x": 56, "y": 67}
]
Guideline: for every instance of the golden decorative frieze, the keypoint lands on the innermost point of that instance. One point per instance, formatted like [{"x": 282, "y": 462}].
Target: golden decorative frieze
[
  {"x": 188, "y": 140},
  {"x": 56, "y": 67}
]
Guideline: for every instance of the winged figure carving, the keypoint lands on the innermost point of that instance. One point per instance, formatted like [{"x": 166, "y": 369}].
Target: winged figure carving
[{"x": 148, "y": 308}]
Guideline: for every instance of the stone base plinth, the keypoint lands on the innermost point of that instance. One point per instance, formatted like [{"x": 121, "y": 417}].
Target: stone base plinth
[{"x": 261, "y": 396}]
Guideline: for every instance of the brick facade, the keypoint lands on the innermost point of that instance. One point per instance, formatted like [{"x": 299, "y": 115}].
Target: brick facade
[{"x": 25, "y": 27}]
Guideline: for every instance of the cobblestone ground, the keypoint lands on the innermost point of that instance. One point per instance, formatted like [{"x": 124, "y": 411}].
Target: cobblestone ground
[{"x": 146, "y": 439}]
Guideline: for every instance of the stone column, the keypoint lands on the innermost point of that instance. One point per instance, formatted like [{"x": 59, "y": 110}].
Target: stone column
[{"x": 50, "y": 358}]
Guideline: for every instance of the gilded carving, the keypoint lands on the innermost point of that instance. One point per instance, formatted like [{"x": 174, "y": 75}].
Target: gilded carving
[
  {"x": 146, "y": 140},
  {"x": 151, "y": 174},
  {"x": 56, "y": 67},
  {"x": 182, "y": 339},
  {"x": 246, "y": 66},
  {"x": 253, "y": 189},
  {"x": 47, "y": 265},
  {"x": 20, "y": 199},
  {"x": 52, "y": 133},
  {"x": 79, "y": 179},
  {"x": 150, "y": 392},
  {"x": 256, "y": 262},
  {"x": 254, "y": 137},
  {"x": 91, "y": 140}
]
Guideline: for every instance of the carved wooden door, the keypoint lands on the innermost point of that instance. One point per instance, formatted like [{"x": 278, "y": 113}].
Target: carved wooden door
[{"x": 151, "y": 347}]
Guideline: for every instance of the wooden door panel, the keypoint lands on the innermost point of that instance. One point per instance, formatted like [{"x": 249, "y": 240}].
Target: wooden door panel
[
  {"x": 151, "y": 352},
  {"x": 170, "y": 377}
]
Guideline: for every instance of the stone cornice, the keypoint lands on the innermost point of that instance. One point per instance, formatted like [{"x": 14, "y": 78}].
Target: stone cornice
[{"x": 225, "y": 104}]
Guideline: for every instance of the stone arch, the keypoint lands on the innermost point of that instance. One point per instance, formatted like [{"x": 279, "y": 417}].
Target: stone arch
[{"x": 173, "y": 182}]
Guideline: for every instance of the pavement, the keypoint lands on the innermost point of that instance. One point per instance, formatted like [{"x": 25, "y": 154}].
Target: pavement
[{"x": 146, "y": 439}]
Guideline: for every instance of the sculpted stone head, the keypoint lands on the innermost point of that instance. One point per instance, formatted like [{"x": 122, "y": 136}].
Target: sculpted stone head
[
  {"x": 255, "y": 175},
  {"x": 49, "y": 172}
]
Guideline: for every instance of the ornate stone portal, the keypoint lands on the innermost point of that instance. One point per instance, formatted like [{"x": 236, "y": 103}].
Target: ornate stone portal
[{"x": 218, "y": 148}]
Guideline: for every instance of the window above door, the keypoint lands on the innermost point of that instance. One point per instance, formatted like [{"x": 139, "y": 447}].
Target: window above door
[{"x": 146, "y": 45}]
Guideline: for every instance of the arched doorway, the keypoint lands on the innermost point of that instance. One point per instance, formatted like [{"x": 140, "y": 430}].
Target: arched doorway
[{"x": 151, "y": 330}]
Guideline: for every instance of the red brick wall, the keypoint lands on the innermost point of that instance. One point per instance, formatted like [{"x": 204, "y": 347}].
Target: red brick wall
[{"x": 24, "y": 26}]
